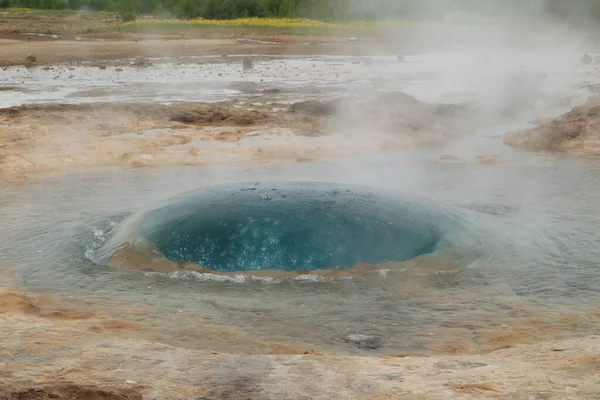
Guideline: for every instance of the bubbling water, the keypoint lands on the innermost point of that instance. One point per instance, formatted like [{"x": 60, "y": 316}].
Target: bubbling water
[{"x": 290, "y": 226}]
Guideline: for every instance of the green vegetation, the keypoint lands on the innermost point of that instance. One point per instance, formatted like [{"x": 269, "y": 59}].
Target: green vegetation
[
  {"x": 267, "y": 26},
  {"x": 332, "y": 10}
]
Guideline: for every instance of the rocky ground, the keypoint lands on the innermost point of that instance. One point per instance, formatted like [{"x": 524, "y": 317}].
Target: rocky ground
[
  {"x": 62, "y": 360},
  {"x": 62, "y": 138},
  {"x": 575, "y": 132}
]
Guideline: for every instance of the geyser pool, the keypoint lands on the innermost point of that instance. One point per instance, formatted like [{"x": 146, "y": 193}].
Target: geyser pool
[
  {"x": 289, "y": 226},
  {"x": 524, "y": 269}
]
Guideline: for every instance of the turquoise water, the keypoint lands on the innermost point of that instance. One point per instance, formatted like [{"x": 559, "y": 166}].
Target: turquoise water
[{"x": 292, "y": 226}]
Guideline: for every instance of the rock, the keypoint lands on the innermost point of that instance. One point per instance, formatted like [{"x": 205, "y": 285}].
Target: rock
[
  {"x": 31, "y": 58},
  {"x": 395, "y": 113},
  {"x": 247, "y": 63},
  {"x": 272, "y": 91},
  {"x": 218, "y": 114},
  {"x": 575, "y": 131},
  {"x": 400, "y": 58},
  {"x": 586, "y": 59},
  {"x": 365, "y": 342},
  {"x": 316, "y": 107},
  {"x": 192, "y": 117},
  {"x": 247, "y": 118}
]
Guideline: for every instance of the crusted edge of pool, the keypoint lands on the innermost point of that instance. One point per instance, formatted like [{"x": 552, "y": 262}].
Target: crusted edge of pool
[{"x": 129, "y": 248}]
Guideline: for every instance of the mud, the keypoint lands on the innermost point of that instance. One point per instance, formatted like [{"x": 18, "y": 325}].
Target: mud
[{"x": 575, "y": 132}]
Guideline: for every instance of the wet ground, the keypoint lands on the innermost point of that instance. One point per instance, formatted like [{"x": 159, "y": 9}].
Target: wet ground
[
  {"x": 200, "y": 79},
  {"x": 528, "y": 271},
  {"x": 434, "y": 77}
]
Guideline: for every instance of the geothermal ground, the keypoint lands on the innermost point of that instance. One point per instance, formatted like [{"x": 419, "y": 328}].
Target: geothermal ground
[{"x": 103, "y": 126}]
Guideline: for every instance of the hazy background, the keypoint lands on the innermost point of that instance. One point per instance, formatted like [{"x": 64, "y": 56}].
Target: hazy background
[{"x": 576, "y": 12}]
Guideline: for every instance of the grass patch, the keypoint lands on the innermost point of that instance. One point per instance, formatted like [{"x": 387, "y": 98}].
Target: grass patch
[
  {"x": 68, "y": 22},
  {"x": 255, "y": 23},
  {"x": 36, "y": 13},
  {"x": 267, "y": 26},
  {"x": 26, "y": 13},
  {"x": 276, "y": 23},
  {"x": 54, "y": 21}
]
